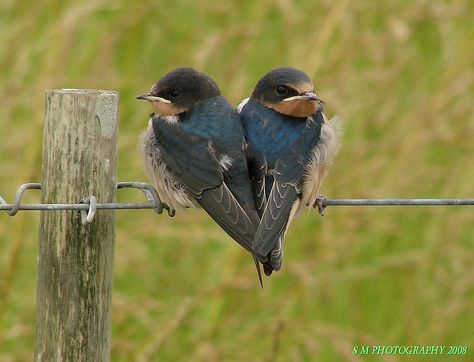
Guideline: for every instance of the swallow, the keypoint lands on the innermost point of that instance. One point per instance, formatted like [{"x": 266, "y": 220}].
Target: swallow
[
  {"x": 290, "y": 148},
  {"x": 194, "y": 151}
]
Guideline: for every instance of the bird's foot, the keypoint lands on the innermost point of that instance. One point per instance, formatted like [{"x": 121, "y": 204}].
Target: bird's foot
[
  {"x": 319, "y": 204},
  {"x": 171, "y": 212}
]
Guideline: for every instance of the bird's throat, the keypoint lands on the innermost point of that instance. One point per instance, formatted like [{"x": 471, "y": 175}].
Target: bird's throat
[
  {"x": 166, "y": 109},
  {"x": 295, "y": 108}
]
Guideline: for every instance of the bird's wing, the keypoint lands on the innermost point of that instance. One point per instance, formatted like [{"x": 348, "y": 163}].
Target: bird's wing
[
  {"x": 284, "y": 194},
  {"x": 191, "y": 159},
  {"x": 284, "y": 198},
  {"x": 257, "y": 166},
  {"x": 277, "y": 210}
]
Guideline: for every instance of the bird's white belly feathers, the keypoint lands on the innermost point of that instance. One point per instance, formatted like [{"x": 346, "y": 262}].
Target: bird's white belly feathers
[
  {"x": 321, "y": 159},
  {"x": 169, "y": 188}
]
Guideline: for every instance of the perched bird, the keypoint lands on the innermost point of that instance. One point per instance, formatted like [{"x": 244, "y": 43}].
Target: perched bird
[
  {"x": 290, "y": 147},
  {"x": 194, "y": 151}
]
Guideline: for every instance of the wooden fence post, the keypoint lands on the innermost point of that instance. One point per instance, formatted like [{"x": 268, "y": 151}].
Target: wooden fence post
[{"x": 73, "y": 309}]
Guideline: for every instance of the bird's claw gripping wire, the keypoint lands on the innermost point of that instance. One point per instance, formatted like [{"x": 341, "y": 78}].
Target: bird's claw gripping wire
[{"x": 320, "y": 204}]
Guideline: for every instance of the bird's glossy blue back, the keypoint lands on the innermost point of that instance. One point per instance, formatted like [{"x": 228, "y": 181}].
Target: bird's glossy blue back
[{"x": 214, "y": 118}]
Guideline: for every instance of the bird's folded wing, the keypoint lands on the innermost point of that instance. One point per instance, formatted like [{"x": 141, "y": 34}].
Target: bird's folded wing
[
  {"x": 222, "y": 206},
  {"x": 257, "y": 167},
  {"x": 274, "y": 219},
  {"x": 191, "y": 159},
  {"x": 288, "y": 176}
]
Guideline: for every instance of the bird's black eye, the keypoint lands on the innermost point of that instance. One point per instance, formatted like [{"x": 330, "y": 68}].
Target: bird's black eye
[
  {"x": 282, "y": 90},
  {"x": 174, "y": 93}
]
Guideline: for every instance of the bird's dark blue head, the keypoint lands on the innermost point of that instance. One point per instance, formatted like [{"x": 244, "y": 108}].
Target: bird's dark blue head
[
  {"x": 288, "y": 91},
  {"x": 179, "y": 90}
]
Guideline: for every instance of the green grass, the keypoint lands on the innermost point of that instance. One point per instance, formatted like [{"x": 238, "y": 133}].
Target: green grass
[{"x": 399, "y": 73}]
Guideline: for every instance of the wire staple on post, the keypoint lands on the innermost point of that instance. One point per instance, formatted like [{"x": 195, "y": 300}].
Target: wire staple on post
[{"x": 88, "y": 216}]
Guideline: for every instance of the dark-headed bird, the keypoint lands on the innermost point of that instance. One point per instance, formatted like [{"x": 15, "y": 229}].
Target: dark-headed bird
[
  {"x": 194, "y": 151},
  {"x": 290, "y": 148}
]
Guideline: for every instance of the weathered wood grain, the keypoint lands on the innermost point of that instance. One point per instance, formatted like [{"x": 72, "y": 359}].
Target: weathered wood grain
[{"x": 75, "y": 260}]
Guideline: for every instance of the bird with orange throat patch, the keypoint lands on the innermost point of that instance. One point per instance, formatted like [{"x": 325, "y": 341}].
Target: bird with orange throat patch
[
  {"x": 290, "y": 148},
  {"x": 194, "y": 151}
]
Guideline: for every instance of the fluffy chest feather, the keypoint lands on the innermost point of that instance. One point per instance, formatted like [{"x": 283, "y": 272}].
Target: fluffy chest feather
[
  {"x": 170, "y": 189},
  {"x": 322, "y": 157}
]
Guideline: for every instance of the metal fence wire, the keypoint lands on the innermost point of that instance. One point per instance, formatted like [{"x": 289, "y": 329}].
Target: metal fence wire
[{"x": 89, "y": 206}]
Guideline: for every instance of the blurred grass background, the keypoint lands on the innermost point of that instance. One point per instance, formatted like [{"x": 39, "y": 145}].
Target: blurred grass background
[{"x": 401, "y": 75}]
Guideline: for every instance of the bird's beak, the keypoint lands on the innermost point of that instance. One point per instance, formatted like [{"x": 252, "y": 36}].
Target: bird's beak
[
  {"x": 149, "y": 97},
  {"x": 306, "y": 96}
]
